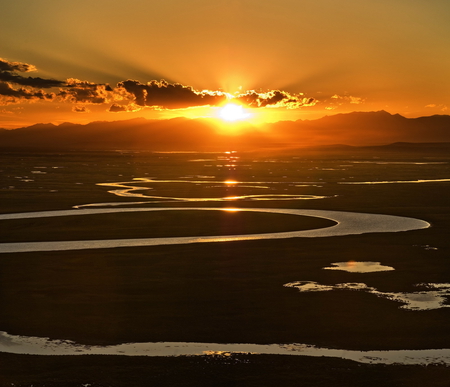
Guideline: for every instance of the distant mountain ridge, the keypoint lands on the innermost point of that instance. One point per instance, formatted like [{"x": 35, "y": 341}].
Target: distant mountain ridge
[{"x": 355, "y": 129}]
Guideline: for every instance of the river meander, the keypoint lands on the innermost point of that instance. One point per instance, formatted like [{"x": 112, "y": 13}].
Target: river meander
[{"x": 348, "y": 223}]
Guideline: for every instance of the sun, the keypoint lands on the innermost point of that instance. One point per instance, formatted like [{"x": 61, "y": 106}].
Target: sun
[{"x": 232, "y": 112}]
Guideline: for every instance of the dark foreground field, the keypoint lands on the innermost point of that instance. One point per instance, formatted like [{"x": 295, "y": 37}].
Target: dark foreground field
[
  {"x": 236, "y": 370},
  {"x": 221, "y": 292}
]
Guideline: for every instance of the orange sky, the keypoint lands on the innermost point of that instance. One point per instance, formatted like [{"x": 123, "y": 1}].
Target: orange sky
[{"x": 286, "y": 59}]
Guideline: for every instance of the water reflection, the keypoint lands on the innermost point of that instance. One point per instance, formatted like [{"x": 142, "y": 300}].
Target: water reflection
[
  {"x": 395, "y": 181},
  {"x": 348, "y": 223},
  {"x": 401, "y": 162},
  {"x": 424, "y": 299},
  {"x": 129, "y": 189},
  {"x": 359, "y": 267},
  {"x": 44, "y": 346}
]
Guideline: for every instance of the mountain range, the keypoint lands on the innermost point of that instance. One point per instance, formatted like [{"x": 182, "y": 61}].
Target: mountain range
[{"x": 182, "y": 134}]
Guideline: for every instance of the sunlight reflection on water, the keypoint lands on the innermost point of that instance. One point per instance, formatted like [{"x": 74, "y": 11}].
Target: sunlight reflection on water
[
  {"x": 348, "y": 223},
  {"x": 395, "y": 181},
  {"x": 429, "y": 296},
  {"x": 127, "y": 189},
  {"x": 359, "y": 267},
  {"x": 44, "y": 346},
  {"x": 418, "y": 301}
]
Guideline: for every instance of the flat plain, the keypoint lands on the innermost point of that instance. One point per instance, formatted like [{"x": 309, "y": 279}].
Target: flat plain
[{"x": 227, "y": 292}]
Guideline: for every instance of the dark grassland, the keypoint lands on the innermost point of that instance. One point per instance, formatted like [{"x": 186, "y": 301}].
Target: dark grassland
[{"x": 221, "y": 292}]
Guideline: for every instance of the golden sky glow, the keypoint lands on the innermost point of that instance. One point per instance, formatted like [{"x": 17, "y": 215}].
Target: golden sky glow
[{"x": 289, "y": 59}]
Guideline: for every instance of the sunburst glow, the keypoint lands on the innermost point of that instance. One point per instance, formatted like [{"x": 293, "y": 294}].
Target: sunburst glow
[{"x": 232, "y": 112}]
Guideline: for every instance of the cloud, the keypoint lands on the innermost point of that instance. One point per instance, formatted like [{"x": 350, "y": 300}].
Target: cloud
[
  {"x": 348, "y": 98},
  {"x": 5, "y": 111},
  {"x": 161, "y": 94},
  {"x": 441, "y": 106},
  {"x": 15, "y": 66},
  {"x": 80, "y": 109},
  {"x": 85, "y": 92},
  {"x": 133, "y": 95},
  {"x": 274, "y": 98},
  {"x": 116, "y": 108},
  {"x": 8, "y": 74},
  {"x": 10, "y": 95},
  {"x": 16, "y": 88}
]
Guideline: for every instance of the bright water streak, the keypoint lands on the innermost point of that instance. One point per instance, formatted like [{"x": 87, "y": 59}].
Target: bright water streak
[
  {"x": 348, "y": 223},
  {"x": 44, "y": 346}
]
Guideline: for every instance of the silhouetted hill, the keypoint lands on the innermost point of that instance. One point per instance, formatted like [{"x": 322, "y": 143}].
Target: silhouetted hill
[{"x": 355, "y": 129}]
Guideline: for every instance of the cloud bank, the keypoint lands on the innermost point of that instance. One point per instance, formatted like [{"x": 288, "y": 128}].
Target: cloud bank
[
  {"x": 16, "y": 88},
  {"x": 166, "y": 95},
  {"x": 9, "y": 70},
  {"x": 130, "y": 95}
]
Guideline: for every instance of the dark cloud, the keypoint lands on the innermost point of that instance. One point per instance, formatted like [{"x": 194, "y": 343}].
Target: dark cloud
[
  {"x": 72, "y": 82},
  {"x": 72, "y": 90},
  {"x": 132, "y": 107},
  {"x": 170, "y": 95},
  {"x": 8, "y": 74},
  {"x": 115, "y": 108},
  {"x": 161, "y": 94},
  {"x": 80, "y": 109},
  {"x": 10, "y": 95},
  {"x": 14, "y": 87},
  {"x": 15, "y": 66},
  {"x": 85, "y": 92}
]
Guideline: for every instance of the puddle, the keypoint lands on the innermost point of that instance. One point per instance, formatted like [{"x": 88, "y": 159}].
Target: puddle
[
  {"x": 359, "y": 267},
  {"x": 418, "y": 301}
]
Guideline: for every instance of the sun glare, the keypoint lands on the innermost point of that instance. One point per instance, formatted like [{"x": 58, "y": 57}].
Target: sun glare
[{"x": 232, "y": 112}]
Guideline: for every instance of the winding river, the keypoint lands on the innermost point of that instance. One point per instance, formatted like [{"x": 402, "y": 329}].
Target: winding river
[
  {"x": 348, "y": 223},
  {"x": 44, "y": 346}
]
